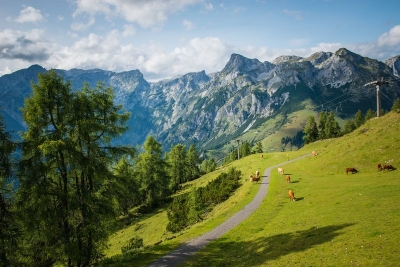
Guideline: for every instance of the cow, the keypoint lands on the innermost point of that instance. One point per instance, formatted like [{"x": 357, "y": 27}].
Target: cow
[
  {"x": 257, "y": 174},
  {"x": 291, "y": 195},
  {"x": 254, "y": 179},
  {"x": 387, "y": 167},
  {"x": 314, "y": 153},
  {"x": 261, "y": 156},
  {"x": 352, "y": 170},
  {"x": 379, "y": 167},
  {"x": 280, "y": 171}
]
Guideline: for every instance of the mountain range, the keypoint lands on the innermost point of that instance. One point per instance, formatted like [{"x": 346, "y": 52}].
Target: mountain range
[{"x": 247, "y": 100}]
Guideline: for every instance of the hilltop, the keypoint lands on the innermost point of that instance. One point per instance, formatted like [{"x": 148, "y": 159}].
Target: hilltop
[{"x": 248, "y": 99}]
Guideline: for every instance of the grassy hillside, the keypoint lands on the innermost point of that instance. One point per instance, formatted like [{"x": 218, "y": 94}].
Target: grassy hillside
[{"x": 338, "y": 220}]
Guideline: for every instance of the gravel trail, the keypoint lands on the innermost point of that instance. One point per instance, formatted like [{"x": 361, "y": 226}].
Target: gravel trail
[{"x": 186, "y": 250}]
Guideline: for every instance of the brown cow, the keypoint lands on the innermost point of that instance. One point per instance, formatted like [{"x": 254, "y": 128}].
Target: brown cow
[
  {"x": 280, "y": 171},
  {"x": 379, "y": 166},
  {"x": 291, "y": 195},
  {"x": 387, "y": 167},
  {"x": 254, "y": 179},
  {"x": 261, "y": 156},
  {"x": 257, "y": 174},
  {"x": 352, "y": 170},
  {"x": 314, "y": 153},
  {"x": 288, "y": 178}
]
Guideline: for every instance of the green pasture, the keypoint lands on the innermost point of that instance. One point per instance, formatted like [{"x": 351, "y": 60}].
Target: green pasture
[{"x": 337, "y": 220}]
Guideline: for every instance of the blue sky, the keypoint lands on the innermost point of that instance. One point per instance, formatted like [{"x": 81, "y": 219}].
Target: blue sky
[{"x": 166, "y": 38}]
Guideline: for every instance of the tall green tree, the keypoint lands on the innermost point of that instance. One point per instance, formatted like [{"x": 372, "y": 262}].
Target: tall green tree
[
  {"x": 127, "y": 186},
  {"x": 370, "y": 114},
  {"x": 193, "y": 163},
  {"x": 323, "y": 116},
  {"x": 332, "y": 128},
  {"x": 177, "y": 166},
  {"x": 8, "y": 226},
  {"x": 259, "y": 147},
  {"x": 152, "y": 173},
  {"x": 65, "y": 170},
  {"x": 245, "y": 149},
  {"x": 396, "y": 105},
  {"x": 359, "y": 118},
  {"x": 310, "y": 131}
]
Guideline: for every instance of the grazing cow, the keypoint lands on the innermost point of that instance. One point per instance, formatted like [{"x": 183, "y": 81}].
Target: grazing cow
[
  {"x": 387, "y": 167},
  {"x": 261, "y": 156},
  {"x": 352, "y": 170},
  {"x": 280, "y": 171},
  {"x": 379, "y": 166},
  {"x": 314, "y": 153},
  {"x": 254, "y": 179},
  {"x": 257, "y": 174},
  {"x": 288, "y": 178},
  {"x": 291, "y": 195}
]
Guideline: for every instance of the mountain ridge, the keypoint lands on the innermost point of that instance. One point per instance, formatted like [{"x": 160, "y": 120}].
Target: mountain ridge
[{"x": 210, "y": 110}]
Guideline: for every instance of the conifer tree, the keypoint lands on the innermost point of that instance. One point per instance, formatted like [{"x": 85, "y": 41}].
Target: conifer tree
[
  {"x": 65, "y": 172},
  {"x": 151, "y": 170},
  {"x": 359, "y": 118},
  {"x": 321, "y": 125},
  {"x": 8, "y": 225},
  {"x": 193, "y": 162},
  {"x": 310, "y": 131},
  {"x": 177, "y": 166}
]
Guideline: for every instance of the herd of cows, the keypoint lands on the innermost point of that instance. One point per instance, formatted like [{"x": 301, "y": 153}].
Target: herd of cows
[{"x": 256, "y": 178}]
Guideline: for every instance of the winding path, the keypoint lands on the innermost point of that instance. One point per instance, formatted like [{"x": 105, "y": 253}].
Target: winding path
[{"x": 186, "y": 250}]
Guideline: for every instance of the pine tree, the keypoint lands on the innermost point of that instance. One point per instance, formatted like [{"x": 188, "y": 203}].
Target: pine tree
[
  {"x": 370, "y": 114},
  {"x": 65, "y": 170},
  {"x": 258, "y": 148},
  {"x": 310, "y": 131},
  {"x": 321, "y": 126},
  {"x": 8, "y": 225},
  {"x": 151, "y": 169},
  {"x": 332, "y": 128},
  {"x": 359, "y": 118},
  {"x": 396, "y": 105},
  {"x": 177, "y": 167},
  {"x": 193, "y": 162}
]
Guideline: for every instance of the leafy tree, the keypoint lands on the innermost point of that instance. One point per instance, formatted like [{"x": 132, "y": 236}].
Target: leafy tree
[
  {"x": 396, "y": 105},
  {"x": 177, "y": 168},
  {"x": 245, "y": 149},
  {"x": 321, "y": 126},
  {"x": 8, "y": 225},
  {"x": 151, "y": 169},
  {"x": 208, "y": 165},
  {"x": 332, "y": 128},
  {"x": 310, "y": 131},
  {"x": 127, "y": 185},
  {"x": 258, "y": 148},
  {"x": 370, "y": 114},
  {"x": 359, "y": 118},
  {"x": 349, "y": 126},
  {"x": 193, "y": 162},
  {"x": 65, "y": 170}
]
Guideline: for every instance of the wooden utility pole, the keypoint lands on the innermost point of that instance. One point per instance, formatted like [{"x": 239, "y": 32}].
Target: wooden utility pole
[{"x": 378, "y": 94}]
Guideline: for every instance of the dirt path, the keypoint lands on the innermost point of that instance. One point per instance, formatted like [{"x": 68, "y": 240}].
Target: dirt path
[{"x": 186, "y": 250}]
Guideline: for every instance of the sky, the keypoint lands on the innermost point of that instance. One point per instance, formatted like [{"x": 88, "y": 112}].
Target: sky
[{"x": 167, "y": 38}]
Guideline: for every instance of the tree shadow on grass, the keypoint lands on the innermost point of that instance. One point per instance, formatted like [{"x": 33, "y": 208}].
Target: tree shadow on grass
[{"x": 264, "y": 249}]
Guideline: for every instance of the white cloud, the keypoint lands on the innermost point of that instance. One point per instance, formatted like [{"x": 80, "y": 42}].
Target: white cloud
[
  {"x": 83, "y": 25},
  {"x": 188, "y": 25},
  {"x": 209, "y": 6},
  {"x": 146, "y": 13},
  {"x": 390, "y": 39},
  {"x": 60, "y": 18},
  {"x": 129, "y": 30},
  {"x": 27, "y": 46},
  {"x": 29, "y": 14}
]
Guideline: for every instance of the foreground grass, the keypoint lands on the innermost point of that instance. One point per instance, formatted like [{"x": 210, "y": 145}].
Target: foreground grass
[{"x": 338, "y": 220}]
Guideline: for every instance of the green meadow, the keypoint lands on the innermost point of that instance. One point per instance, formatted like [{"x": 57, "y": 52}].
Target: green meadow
[{"x": 338, "y": 219}]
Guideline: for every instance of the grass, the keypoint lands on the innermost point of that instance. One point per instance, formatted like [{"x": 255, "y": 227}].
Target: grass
[{"x": 338, "y": 220}]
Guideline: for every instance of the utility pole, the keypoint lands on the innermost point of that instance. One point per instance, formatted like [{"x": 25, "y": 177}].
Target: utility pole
[
  {"x": 238, "y": 140},
  {"x": 378, "y": 94}
]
